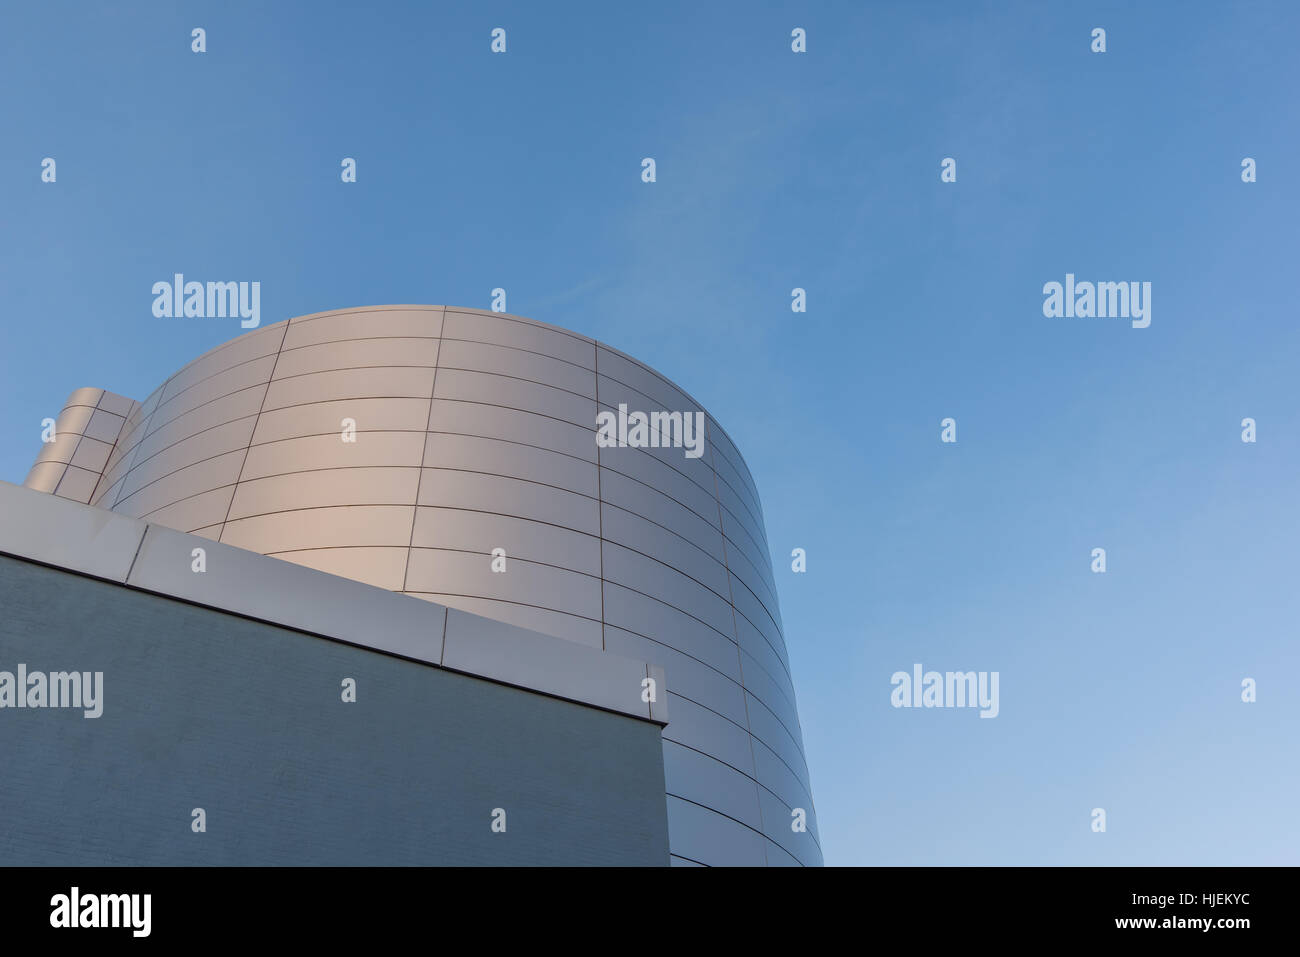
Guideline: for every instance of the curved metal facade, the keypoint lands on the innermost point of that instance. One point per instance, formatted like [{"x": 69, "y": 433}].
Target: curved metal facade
[{"x": 474, "y": 431}]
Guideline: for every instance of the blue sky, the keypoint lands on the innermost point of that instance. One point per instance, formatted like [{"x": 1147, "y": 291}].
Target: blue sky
[{"x": 778, "y": 170}]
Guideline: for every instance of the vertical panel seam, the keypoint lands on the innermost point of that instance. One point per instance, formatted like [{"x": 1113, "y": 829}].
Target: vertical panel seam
[
  {"x": 257, "y": 419},
  {"x": 144, "y": 434},
  {"x": 76, "y": 445},
  {"x": 139, "y": 546},
  {"x": 419, "y": 477},
  {"x": 113, "y": 448}
]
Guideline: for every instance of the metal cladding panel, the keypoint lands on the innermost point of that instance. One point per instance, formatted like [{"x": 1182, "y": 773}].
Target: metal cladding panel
[
  {"x": 584, "y": 631},
  {"x": 204, "y": 475},
  {"x": 207, "y": 510},
  {"x": 356, "y": 354},
  {"x": 692, "y": 678},
  {"x": 714, "y": 838},
  {"x": 487, "y": 388},
  {"x": 246, "y": 375},
  {"x": 323, "y": 488},
  {"x": 532, "y": 583},
  {"x": 45, "y": 476},
  {"x": 500, "y": 329},
  {"x": 692, "y": 489},
  {"x": 400, "y": 445},
  {"x": 478, "y": 533},
  {"x": 159, "y": 435},
  {"x": 363, "y": 324},
  {"x": 381, "y": 566},
  {"x": 697, "y": 777},
  {"x": 511, "y": 361},
  {"x": 328, "y": 418},
  {"x": 327, "y": 527},
  {"x": 203, "y": 446},
  {"x": 470, "y": 417},
  {"x": 313, "y": 453},
  {"x": 350, "y": 383},
  {"x": 645, "y": 500},
  {"x": 223, "y": 359}
]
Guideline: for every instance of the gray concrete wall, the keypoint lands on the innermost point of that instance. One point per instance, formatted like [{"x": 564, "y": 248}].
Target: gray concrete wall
[{"x": 245, "y": 720}]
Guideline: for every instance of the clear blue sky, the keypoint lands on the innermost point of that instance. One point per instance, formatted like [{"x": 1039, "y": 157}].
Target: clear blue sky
[{"x": 778, "y": 170}]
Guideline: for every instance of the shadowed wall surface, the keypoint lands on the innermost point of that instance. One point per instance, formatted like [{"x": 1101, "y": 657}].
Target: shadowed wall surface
[{"x": 245, "y": 720}]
